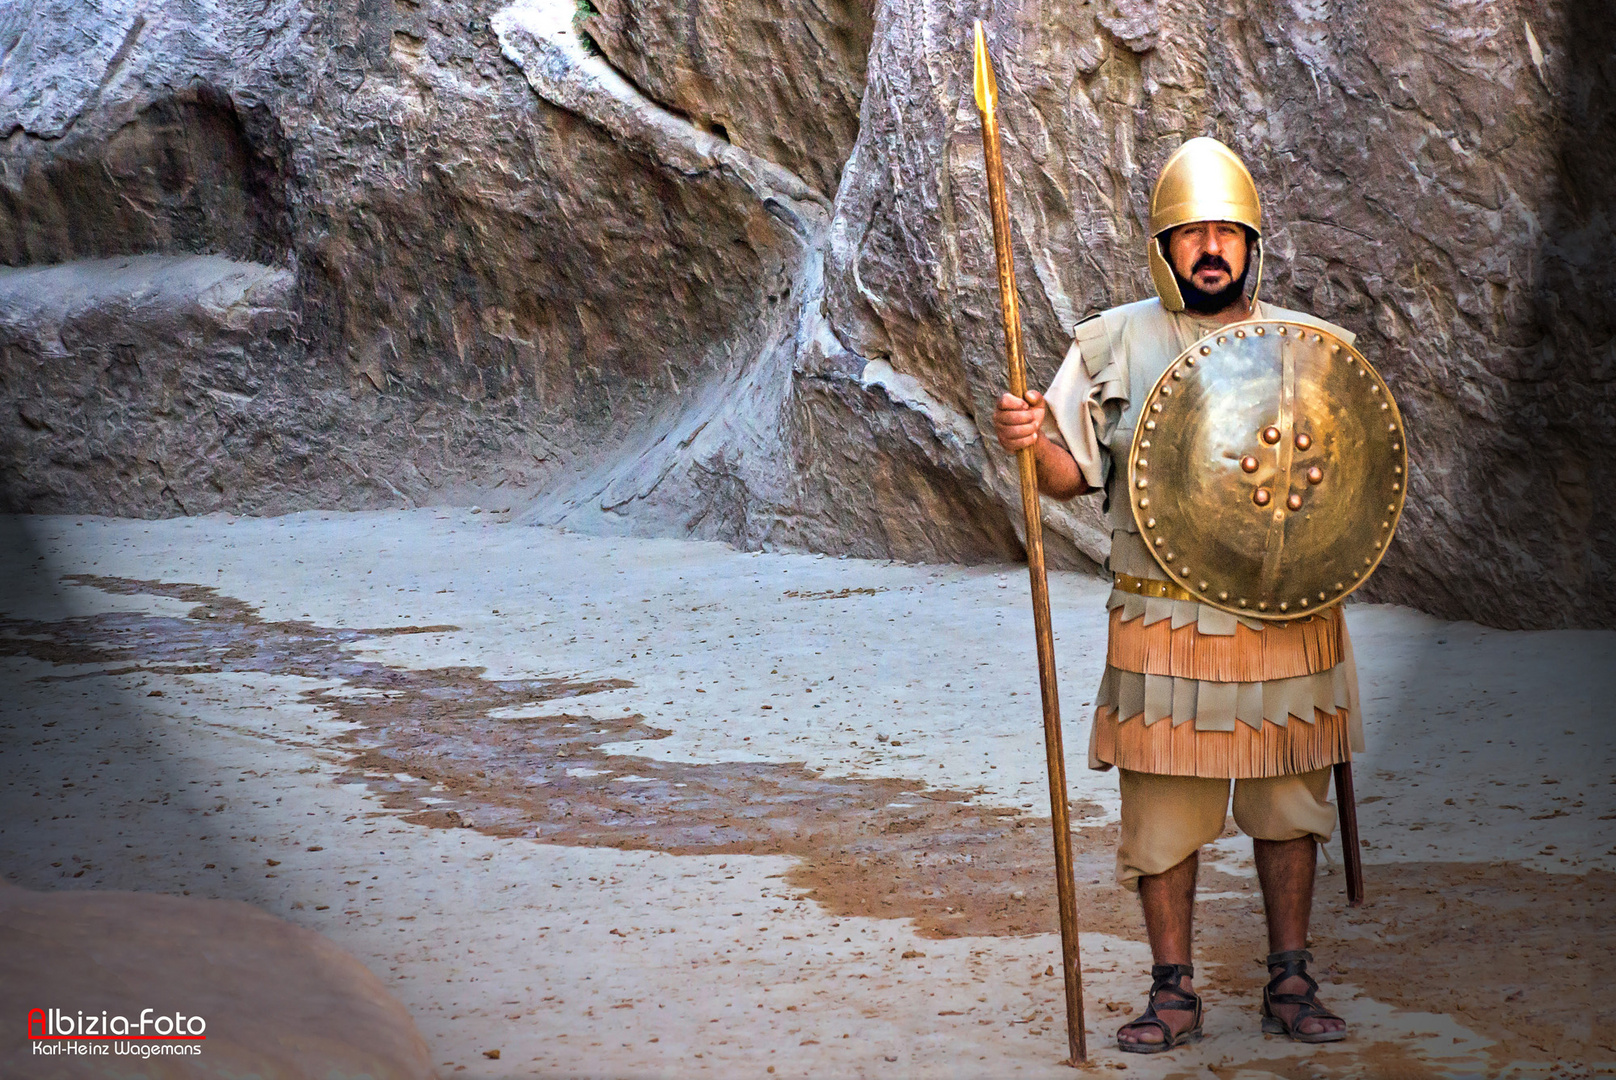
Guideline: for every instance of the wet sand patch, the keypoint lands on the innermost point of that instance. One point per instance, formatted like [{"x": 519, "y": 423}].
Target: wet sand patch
[{"x": 451, "y": 748}]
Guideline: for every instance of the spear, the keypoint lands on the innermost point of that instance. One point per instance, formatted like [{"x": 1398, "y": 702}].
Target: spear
[{"x": 987, "y": 101}]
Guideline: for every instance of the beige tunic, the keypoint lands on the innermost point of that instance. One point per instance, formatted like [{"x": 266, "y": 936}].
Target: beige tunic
[{"x": 1115, "y": 359}]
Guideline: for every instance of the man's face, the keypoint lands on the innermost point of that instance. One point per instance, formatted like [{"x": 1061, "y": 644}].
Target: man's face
[{"x": 1211, "y": 255}]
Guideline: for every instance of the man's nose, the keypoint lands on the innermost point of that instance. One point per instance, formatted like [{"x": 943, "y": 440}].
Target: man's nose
[{"x": 1214, "y": 245}]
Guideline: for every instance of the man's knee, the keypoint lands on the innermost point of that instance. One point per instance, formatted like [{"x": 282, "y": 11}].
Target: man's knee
[
  {"x": 1285, "y": 807},
  {"x": 1166, "y": 819}
]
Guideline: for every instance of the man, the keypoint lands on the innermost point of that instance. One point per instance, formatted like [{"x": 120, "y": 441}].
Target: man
[{"x": 1205, "y": 233}]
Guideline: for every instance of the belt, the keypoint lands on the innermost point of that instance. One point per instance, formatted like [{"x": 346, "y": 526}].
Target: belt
[{"x": 1170, "y": 590}]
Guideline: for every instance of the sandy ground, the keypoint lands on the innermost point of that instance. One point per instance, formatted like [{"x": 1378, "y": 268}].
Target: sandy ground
[{"x": 657, "y": 808}]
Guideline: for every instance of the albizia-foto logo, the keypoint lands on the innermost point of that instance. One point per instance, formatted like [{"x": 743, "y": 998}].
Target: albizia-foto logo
[{"x": 57, "y": 1031}]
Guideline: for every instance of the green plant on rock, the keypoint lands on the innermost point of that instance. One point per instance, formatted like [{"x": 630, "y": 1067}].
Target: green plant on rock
[{"x": 582, "y": 10}]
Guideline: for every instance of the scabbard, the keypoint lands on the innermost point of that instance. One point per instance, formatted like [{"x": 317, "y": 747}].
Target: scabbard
[{"x": 1351, "y": 854}]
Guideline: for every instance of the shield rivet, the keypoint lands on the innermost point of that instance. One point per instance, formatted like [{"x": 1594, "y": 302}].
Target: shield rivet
[
  {"x": 1248, "y": 463},
  {"x": 1335, "y": 348},
  {"x": 1284, "y": 606},
  {"x": 1142, "y": 482},
  {"x": 1303, "y": 601},
  {"x": 1203, "y": 586},
  {"x": 1166, "y": 391},
  {"x": 1159, "y": 541},
  {"x": 1261, "y": 330},
  {"x": 1169, "y": 557},
  {"x": 1315, "y": 475},
  {"x": 1303, "y": 440},
  {"x": 1223, "y": 340},
  {"x": 1143, "y": 463},
  {"x": 1294, "y": 501},
  {"x": 1339, "y": 586},
  {"x": 1262, "y": 605},
  {"x": 1321, "y": 594},
  {"x": 1150, "y": 425},
  {"x": 1155, "y": 406},
  {"x": 1143, "y": 503},
  {"x": 1397, "y": 487},
  {"x": 1150, "y": 523},
  {"x": 1270, "y": 435},
  {"x": 1223, "y": 596},
  {"x": 1206, "y": 350},
  {"x": 1239, "y": 333},
  {"x": 1261, "y": 497}
]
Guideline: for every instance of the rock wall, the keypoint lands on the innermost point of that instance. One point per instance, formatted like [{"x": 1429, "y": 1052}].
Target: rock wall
[
  {"x": 726, "y": 270},
  {"x": 780, "y": 78},
  {"x": 474, "y": 273}
]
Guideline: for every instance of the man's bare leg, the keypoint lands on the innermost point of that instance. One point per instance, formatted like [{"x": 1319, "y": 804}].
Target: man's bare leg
[
  {"x": 1168, "y": 900},
  {"x": 1285, "y": 868}
]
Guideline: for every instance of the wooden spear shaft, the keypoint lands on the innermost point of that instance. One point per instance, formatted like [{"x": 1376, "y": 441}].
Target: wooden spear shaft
[{"x": 987, "y": 95}]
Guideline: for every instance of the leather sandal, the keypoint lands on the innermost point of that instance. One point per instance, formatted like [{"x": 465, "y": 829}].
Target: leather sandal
[
  {"x": 1165, "y": 977},
  {"x": 1294, "y": 962}
]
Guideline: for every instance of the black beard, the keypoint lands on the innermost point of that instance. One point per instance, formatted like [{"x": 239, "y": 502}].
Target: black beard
[{"x": 1211, "y": 303}]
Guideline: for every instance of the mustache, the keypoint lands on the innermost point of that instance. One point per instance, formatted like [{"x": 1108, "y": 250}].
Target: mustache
[{"x": 1211, "y": 262}]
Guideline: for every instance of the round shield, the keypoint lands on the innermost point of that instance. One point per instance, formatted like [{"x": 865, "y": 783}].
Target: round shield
[{"x": 1268, "y": 470}]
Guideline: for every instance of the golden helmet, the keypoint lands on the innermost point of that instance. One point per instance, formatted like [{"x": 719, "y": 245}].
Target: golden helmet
[{"x": 1202, "y": 181}]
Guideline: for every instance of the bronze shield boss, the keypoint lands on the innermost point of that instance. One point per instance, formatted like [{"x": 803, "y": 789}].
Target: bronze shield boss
[{"x": 1268, "y": 469}]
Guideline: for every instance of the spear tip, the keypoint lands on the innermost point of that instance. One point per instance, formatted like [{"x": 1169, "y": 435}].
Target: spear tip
[{"x": 987, "y": 89}]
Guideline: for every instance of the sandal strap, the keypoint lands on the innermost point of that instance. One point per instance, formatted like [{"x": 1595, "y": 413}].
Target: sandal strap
[
  {"x": 1307, "y": 1007},
  {"x": 1291, "y": 963},
  {"x": 1288, "y": 956},
  {"x": 1170, "y": 974},
  {"x": 1168, "y": 977}
]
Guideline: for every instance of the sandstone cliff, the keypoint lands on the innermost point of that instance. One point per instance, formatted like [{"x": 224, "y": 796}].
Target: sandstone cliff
[{"x": 724, "y": 270}]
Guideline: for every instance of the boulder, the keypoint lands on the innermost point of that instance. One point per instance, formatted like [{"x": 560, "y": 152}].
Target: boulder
[{"x": 274, "y": 1000}]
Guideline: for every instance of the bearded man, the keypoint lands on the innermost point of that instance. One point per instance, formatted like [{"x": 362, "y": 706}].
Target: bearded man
[{"x": 1185, "y": 704}]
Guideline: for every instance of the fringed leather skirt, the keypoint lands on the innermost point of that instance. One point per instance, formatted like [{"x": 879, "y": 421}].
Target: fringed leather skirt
[{"x": 1250, "y": 700}]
